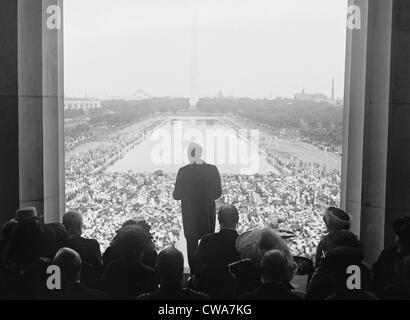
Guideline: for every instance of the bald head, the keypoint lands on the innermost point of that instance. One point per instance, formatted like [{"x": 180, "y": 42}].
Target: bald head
[
  {"x": 69, "y": 262},
  {"x": 274, "y": 266},
  {"x": 170, "y": 265},
  {"x": 228, "y": 216},
  {"x": 73, "y": 222}
]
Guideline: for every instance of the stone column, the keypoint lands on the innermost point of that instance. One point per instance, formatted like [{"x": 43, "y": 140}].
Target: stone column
[
  {"x": 376, "y": 160},
  {"x": 31, "y": 112}
]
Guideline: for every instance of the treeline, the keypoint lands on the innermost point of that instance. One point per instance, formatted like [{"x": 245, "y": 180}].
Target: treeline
[
  {"x": 122, "y": 112},
  {"x": 320, "y": 122},
  {"x": 317, "y": 121}
]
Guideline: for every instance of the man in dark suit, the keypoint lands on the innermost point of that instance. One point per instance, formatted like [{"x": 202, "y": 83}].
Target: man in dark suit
[
  {"x": 198, "y": 185},
  {"x": 215, "y": 253},
  {"x": 88, "y": 249},
  {"x": 170, "y": 269},
  {"x": 69, "y": 262},
  {"x": 275, "y": 285}
]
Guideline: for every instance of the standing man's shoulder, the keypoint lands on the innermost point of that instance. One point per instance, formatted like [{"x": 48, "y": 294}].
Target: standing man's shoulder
[
  {"x": 183, "y": 169},
  {"x": 211, "y": 166},
  {"x": 211, "y": 169}
]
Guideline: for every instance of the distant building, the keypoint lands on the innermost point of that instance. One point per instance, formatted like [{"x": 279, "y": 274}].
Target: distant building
[
  {"x": 136, "y": 96},
  {"x": 316, "y": 97},
  {"x": 84, "y": 104},
  {"x": 140, "y": 95},
  {"x": 302, "y": 96}
]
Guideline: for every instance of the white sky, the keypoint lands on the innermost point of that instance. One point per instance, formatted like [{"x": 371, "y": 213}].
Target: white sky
[{"x": 246, "y": 47}]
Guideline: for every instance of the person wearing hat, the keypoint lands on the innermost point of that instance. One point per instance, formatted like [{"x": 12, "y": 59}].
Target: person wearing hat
[
  {"x": 335, "y": 219},
  {"x": 385, "y": 269},
  {"x": 252, "y": 246},
  {"x": 23, "y": 274},
  {"x": 127, "y": 277},
  {"x": 337, "y": 263},
  {"x": 324, "y": 281},
  {"x": 197, "y": 186},
  {"x": 149, "y": 256},
  {"x": 26, "y": 213}
]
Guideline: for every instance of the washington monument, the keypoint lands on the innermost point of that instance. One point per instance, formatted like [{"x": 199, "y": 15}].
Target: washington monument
[{"x": 194, "y": 97}]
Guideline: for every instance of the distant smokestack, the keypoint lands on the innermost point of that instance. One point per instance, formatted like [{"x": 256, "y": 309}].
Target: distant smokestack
[{"x": 333, "y": 88}]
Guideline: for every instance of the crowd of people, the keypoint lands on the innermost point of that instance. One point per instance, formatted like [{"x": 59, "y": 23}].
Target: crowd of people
[
  {"x": 296, "y": 200},
  {"x": 295, "y": 195},
  {"x": 254, "y": 265},
  {"x": 75, "y": 137},
  {"x": 324, "y": 146}
]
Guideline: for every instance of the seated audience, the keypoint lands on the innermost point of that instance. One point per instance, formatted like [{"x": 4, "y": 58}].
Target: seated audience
[
  {"x": 128, "y": 277},
  {"x": 149, "y": 256},
  {"x": 252, "y": 246},
  {"x": 276, "y": 275},
  {"x": 88, "y": 249},
  {"x": 256, "y": 265},
  {"x": 335, "y": 220},
  {"x": 385, "y": 269},
  {"x": 170, "y": 269},
  {"x": 215, "y": 253},
  {"x": 347, "y": 285},
  {"x": 70, "y": 264}
]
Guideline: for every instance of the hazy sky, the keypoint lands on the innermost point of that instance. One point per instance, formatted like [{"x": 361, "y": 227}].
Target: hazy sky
[{"x": 246, "y": 47}]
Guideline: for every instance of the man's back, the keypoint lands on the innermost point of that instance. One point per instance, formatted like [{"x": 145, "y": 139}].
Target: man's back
[
  {"x": 214, "y": 255},
  {"x": 198, "y": 181},
  {"x": 89, "y": 251},
  {"x": 218, "y": 249},
  {"x": 198, "y": 186},
  {"x": 127, "y": 278}
]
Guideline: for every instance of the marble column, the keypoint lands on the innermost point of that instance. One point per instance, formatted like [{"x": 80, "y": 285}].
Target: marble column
[
  {"x": 376, "y": 159},
  {"x": 31, "y": 108}
]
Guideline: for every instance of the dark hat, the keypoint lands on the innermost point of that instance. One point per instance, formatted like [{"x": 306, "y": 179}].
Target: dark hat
[
  {"x": 337, "y": 219},
  {"x": 132, "y": 238},
  {"x": 26, "y": 213}
]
